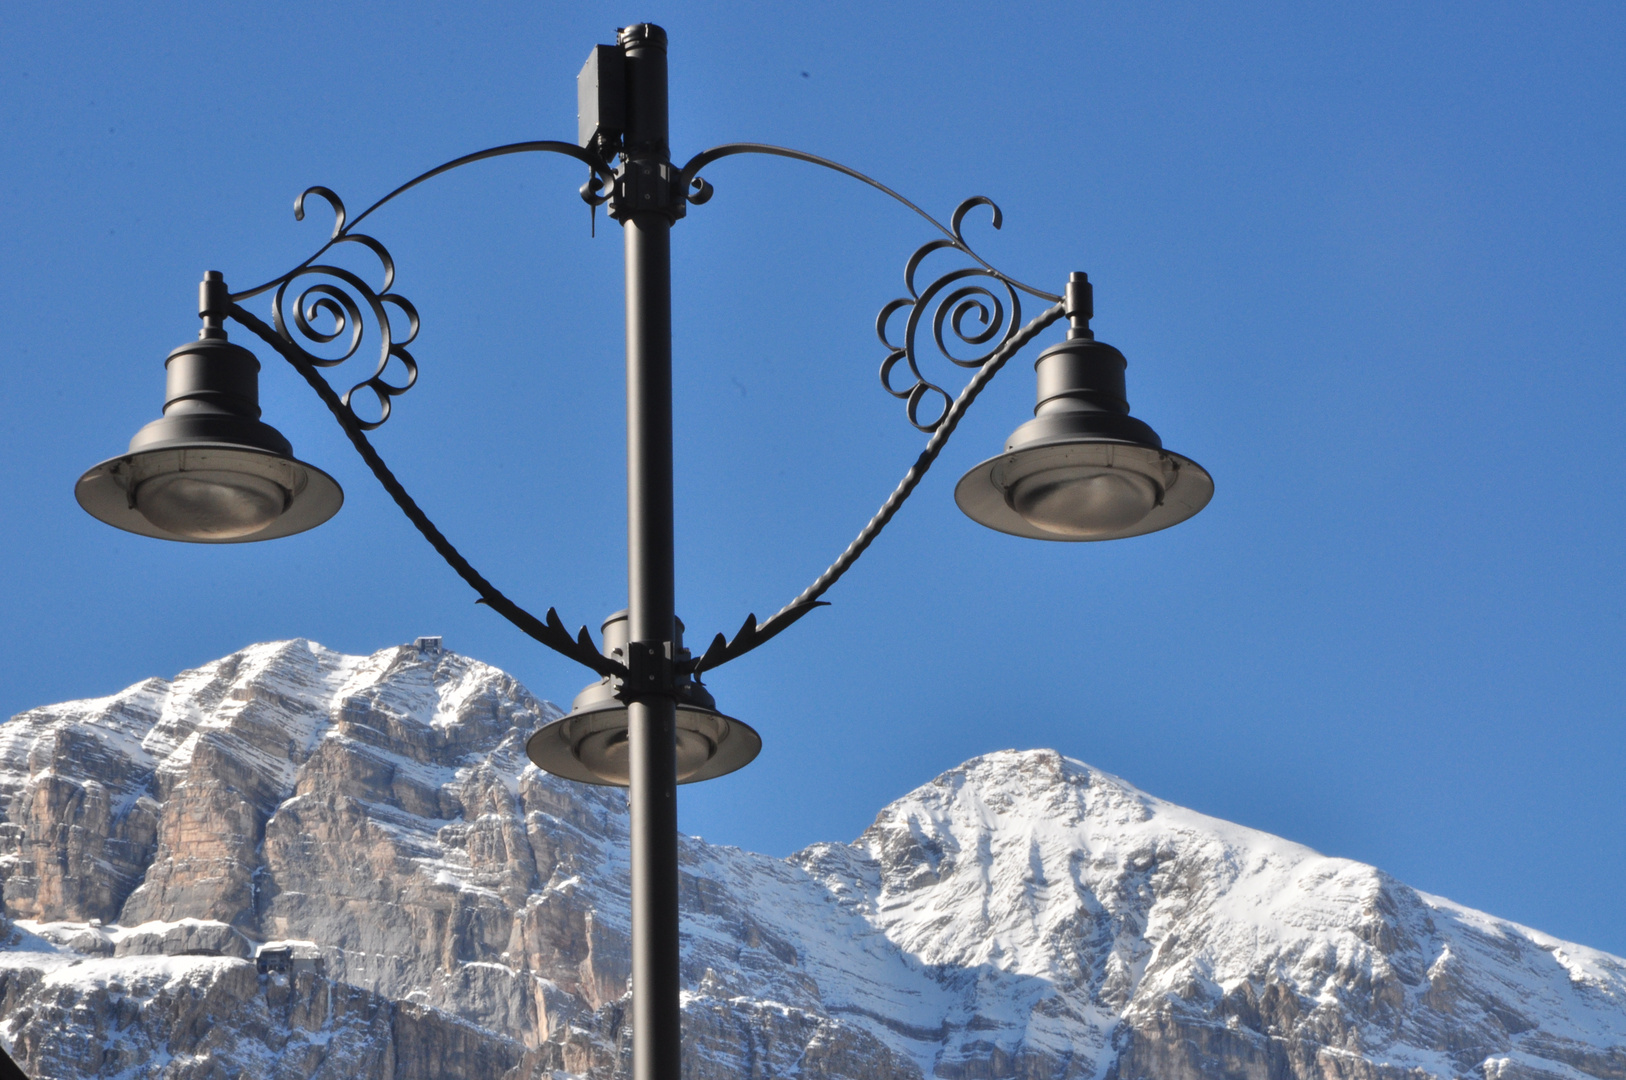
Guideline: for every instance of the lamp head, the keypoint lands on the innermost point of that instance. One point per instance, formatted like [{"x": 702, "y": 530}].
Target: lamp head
[
  {"x": 590, "y": 744},
  {"x": 1083, "y": 468},
  {"x": 209, "y": 471}
]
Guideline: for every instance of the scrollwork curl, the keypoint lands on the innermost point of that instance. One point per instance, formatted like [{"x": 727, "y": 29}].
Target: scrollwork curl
[
  {"x": 597, "y": 189},
  {"x": 335, "y": 307},
  {"x": 968, "y": 306}
]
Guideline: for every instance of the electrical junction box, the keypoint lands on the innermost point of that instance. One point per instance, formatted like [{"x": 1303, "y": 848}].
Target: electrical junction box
[{"x": 601, "y": 100}]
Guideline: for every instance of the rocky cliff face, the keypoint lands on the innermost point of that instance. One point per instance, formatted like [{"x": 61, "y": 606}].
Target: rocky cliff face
[{"x": 1023, "y": 916}]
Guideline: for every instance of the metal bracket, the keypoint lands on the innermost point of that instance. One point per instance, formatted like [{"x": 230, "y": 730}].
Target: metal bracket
[
  {"x": 649, "y": 672},
  {"x": 642, "y": 185}
]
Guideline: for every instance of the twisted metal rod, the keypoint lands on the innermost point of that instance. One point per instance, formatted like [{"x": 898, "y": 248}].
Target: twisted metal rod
[
  {"x": 750, "y": 635},
  {"x": 550, "y": 630}
]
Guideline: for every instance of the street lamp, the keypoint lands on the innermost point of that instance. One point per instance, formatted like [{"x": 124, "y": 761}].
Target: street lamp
[{"x": 210, "y": 471}]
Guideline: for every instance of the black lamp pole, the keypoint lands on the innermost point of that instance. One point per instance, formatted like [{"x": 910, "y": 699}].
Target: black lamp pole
[
  {"x": 652, "y": 713},
  {"x": 210, "y": 471}
]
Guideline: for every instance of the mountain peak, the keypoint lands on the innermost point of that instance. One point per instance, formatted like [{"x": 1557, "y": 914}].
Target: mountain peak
[{"x": 1022, "y": 914}]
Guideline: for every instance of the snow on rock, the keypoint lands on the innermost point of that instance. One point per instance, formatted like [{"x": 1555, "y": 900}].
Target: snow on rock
[
  {"x": 1093, "y": 929},
  {"x": 1021, "y": 916}
]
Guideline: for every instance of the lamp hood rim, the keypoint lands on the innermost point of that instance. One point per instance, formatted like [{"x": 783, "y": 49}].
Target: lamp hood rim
[
  {"x": 982, "y": 498},
  {"x": 550, "y": 749},
  {"x": 103, "y": 492}
]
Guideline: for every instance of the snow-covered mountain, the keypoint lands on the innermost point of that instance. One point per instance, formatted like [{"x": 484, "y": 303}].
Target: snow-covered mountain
[{"x": 453, "y": 913}]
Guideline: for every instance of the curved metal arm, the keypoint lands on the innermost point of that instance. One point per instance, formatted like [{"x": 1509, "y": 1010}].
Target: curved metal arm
[
  {"x": 315, "y": 314},
  {"x": 971, "y": 311},
  {"x": 341, "y": 228},
  {"x": 956, "y": 302},
  {"x": 549, "y": 630},
  {"x": 700, "y": 191},
  {"x": 750, "y": 635}
]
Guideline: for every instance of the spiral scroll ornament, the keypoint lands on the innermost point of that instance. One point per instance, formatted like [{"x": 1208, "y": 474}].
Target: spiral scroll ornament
[
  {"x": 972, "y": 312},
  {"x": 333, "y": 308}
]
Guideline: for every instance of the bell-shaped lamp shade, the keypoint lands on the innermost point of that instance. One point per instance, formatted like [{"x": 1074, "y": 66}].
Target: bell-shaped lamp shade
[
  {"x": 590, "y": 743},
  {"x": 1083, "y": 468},
  {"x": 209, "y": 471}
]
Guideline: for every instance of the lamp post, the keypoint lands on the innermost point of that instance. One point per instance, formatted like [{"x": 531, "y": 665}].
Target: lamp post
[{"x": 210, "y": 471}]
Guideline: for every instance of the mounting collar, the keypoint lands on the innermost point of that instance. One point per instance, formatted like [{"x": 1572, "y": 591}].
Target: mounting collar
[{"x": 642, "y": 185}]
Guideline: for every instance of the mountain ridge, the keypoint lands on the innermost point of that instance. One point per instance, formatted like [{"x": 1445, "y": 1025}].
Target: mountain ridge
[{"x": 1023, "y": 915}]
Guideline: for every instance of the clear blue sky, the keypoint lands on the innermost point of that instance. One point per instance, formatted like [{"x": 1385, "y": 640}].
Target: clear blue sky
[{"x": 1365, "y": 261}]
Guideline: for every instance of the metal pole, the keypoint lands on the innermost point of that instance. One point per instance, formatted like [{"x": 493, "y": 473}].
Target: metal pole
[{"x": 656, "y": 1038}]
